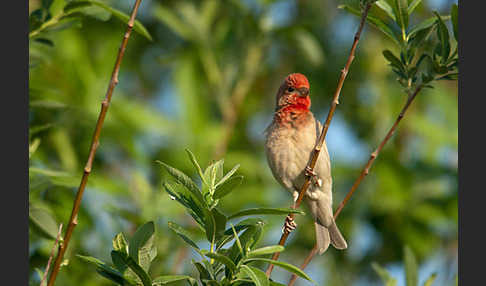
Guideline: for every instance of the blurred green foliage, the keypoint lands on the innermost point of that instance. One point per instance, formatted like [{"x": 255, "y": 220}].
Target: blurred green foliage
[{"x": 206, "y": 81}]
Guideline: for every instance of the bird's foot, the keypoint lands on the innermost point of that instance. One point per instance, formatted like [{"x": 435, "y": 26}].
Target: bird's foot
[
  {"x": 289, "y": 225},
  {"x": 313, "y": 175}
]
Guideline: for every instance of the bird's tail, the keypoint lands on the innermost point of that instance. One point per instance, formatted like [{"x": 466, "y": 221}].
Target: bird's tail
[{"x": 327, "y": 231}]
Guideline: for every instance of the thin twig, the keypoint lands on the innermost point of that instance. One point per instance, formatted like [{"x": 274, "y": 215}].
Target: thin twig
[
  {"x": 73, "y": 221},
  {"x": 58, "y": 236},
  {"x": 319, "y": 144},
  {"x": 364, "y": 172}
]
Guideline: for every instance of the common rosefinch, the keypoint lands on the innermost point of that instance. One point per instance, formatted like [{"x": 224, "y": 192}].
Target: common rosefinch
[{"x": 290, "y": 139}]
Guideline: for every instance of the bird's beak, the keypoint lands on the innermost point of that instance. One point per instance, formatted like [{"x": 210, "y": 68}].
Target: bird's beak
[{"x": 303, "y": 91}]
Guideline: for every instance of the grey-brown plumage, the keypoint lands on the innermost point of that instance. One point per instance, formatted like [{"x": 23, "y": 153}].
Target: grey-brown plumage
[{"x": 290, "y": 139}]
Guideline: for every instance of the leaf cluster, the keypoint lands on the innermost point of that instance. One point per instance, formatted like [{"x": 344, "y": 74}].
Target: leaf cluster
[
  {"x": 57, "y": 15},
  {"x": 221, "y": 264},
  {"x": 425, "y": 52}
]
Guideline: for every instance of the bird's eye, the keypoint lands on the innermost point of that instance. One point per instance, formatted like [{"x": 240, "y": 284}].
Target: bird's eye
[{"x": 290, "y": 89}]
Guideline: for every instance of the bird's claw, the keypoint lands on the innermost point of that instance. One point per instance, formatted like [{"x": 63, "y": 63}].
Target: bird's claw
[
  {"x": 311, "y": 173},
  {"x": 289, "y": 225}
]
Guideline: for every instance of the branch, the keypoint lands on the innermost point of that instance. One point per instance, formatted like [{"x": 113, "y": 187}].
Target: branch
[
  {"x": 73, "y": 220},
  {"x": 364, "y": 173},
  {"x": 318, "y": 147},
  {"x": 59, "y": 233}
]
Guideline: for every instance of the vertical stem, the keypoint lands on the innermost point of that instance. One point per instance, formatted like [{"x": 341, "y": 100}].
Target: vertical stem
[
  {"x": 318, "y": 147},
  {"x": 73, "y": 220},
  {"x": 363, "y": 173}
]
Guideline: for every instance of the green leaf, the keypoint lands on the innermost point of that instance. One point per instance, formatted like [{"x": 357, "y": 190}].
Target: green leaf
[
  {"x": 424, "y": 24},
  {"x": 430, "y": 280},
  {"x": 143, "y": 238},
  {"x": 169, "y": 279},
  {"x": 410, "y": 267},
  {"x": 221, "y": 258},
  {"x": 130, "y": 262},
  {"x": 103, "y": 269},
  {"x": 184, "y": 234},
  {"x": 228, "y": 186},
  {"x": 228, "y": 175},
  {"x": 289, "y": 267},
  {"x": 376, "y": 22},
  {"x": 394, "y": 61},
  {"x": 184, "y": 180},
  {"x": 454, "y": 13},
  {"x": 197, "y": 209},
  {"x": 266, "y": 250},
  {"x": 118, "y": 259},
  {"x": 120, "y": 244},
  {"x": 386, "y": 7},
  {"x": 400, "y": 8},
  {"x": 220, "y": 223},
  {"x": 203, "y": 272},
  {"x": 256, "y": 275},
  {"x": 245, "y": 224},
  {"x": 138, "y": 27},
  {"x": 266, "y": 211},
  {"x": 43, "y": 222},
  {"x": 443, "y": 35},
  {"x": 273, "y": 283},
  {"x": 385, "y": 276},
  {"x": 196, "y": 165},
  {"x": 215, "y": 172},
  {"x": 412, "y": 6}
]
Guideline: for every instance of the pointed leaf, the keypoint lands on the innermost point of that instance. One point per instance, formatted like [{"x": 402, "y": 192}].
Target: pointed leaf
[
  {"x": 256, "y": 275},
  {"x": 386, "y": 7},
  {"x": 412, "y": 6},
  {"x": 228, "y": 186},
  {"x": 394, "y": 61},
  {"x": 130, "y": 262},
  {"x": 376, "y": 22},
  {"x": 138, "y": 27},
  {"x": 410, "y": 267},
  {"x": 43, "y": 222},
  {"x": 184, "y": 234},
  {"x": 118, "y": 259},
  {"x": 228, "y": 175},
  {"x": 183, "y": 179},
  {"x": 220, "y": 220},
  {"x": 196, "y": 208},
  {"x": 140, "y": 239},
  {"x": 221, "y": 258},
  {"x": 169, "y": 279},
  {"x": 289, "y": 267},
  {"x": 196, "y": 165},
  {"x": 425, "y": 24},
  {"x": 401, "y": 12},
  {"x": 102, "y": 268},
  {"x": 203, "y": 272},
  {"x": 443, "y": 35},
  {"x": 266, "y": 211},
  {"x": 266, "y": 250}
]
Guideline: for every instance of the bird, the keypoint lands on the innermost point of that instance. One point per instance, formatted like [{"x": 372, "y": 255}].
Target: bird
[{"x": 289, "y": 141}]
